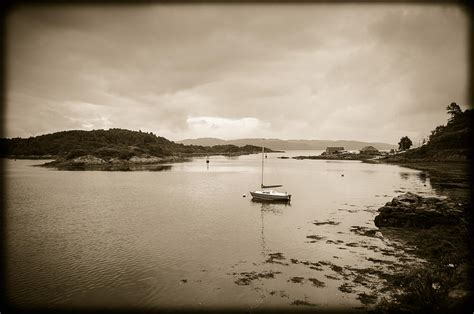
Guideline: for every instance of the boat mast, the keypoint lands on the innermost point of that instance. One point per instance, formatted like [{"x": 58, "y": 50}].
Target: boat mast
[{"x": 262, "y": 165}]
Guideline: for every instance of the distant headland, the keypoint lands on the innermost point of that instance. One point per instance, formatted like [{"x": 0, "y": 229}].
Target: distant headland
[
  {"x": 279, "y": 144},
  {"x": 446, "y": 143}
]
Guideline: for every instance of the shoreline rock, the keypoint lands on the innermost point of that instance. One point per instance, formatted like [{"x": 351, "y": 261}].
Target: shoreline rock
[
  {"x": 411, "y": 210},
  {"x": 89, "y": 162},
  {"x": 438, "y": 229}
]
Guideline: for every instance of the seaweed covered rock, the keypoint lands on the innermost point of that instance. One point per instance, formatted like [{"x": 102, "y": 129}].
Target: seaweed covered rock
[{"x": 411, "y": 210}]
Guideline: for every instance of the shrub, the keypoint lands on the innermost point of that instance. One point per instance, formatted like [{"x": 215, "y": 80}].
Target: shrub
[
  {"x": 76, "y": 153},
  {"x": 107, "y": 153},
  {"x": 126, "y": 154}
]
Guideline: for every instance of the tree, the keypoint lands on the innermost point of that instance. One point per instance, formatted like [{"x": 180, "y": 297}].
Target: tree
[
  {"x": 453, "y": 109},
  {"x": 405, "y": 143},
  {"x": 438, "y": 130}
]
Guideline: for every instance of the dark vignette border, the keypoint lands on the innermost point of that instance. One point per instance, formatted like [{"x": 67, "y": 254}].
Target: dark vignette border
[{"x": 7, "y": 6}]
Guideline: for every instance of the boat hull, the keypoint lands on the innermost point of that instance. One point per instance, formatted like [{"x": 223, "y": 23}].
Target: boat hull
[{"x": 270, "y": 196}]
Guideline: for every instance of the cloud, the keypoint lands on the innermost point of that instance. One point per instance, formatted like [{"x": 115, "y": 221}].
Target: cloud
[
  {"x": 227, "y": 128},
  {"x": 366, "y": 72}
]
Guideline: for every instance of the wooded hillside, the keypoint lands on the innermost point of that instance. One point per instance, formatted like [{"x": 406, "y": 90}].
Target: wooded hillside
[
  {"x": 450, "y": 142},
  {"x": 118, "y": 143}
]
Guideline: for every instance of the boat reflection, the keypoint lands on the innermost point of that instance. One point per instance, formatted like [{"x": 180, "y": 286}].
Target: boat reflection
[
  {"x": 271, "y": 203},
  {"x": 268, "y": 207}
]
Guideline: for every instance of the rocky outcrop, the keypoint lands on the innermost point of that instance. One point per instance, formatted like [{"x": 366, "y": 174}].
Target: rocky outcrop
[
  {"x": 145, "y": 160},
  {"x": 88, "y": 159},
  {"x": 411, "y": 210},
  {"x": 89, "y": 162}
]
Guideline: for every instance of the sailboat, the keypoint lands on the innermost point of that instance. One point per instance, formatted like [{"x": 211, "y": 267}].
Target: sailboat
[{"x": 266, "y": 194}]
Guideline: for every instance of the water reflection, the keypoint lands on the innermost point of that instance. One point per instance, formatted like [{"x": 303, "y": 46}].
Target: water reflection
[
  {"x": 160, "y": 168},
  {"x": 268, "y": 207},
  {"x": 120, "y": 168},
  {"x": 405, "y": 175},
  {"x": 422, "y": 176},
  {"x": 274, "y": 206}
]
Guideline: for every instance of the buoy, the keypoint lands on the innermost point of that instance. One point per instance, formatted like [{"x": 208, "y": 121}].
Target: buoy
[
  {"x": 342, "y": 175},
  {"x": 243, "y": 195}
]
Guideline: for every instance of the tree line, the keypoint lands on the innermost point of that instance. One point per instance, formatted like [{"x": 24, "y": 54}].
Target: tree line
[
  {"x": 455, "y": 135},
  {"x": 112, "y": 143}
]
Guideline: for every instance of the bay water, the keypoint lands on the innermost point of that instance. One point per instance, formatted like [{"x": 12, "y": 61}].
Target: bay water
[{"x": 191, "y": 237}]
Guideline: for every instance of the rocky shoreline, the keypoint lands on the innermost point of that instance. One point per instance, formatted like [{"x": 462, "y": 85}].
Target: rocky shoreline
[
  {"x": 411, "y": 210},
  {"x": 361, "y": 157},
  {"x": 439, "y": 229},
  {"x": 134, "y": 163},
  {"x": 90, "y": 162},
  {"x": 449, "y": 178}
]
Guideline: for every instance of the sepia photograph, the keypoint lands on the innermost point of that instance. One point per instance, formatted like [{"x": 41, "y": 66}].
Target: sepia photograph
[{"x": 237, "y": 157}]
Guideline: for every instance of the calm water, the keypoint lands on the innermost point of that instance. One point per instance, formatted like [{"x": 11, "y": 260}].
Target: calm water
[{"x": 186, "y": 237}]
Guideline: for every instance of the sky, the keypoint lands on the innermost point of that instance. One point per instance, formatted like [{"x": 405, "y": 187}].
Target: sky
[{"x": 368, "y": 72}]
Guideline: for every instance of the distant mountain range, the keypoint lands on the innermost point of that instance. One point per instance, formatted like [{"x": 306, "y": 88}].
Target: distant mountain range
[{"x": 277, "y": 144}]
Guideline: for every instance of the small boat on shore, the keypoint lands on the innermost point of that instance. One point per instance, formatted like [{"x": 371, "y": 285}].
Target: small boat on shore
[{"x": 266, "y": 194}]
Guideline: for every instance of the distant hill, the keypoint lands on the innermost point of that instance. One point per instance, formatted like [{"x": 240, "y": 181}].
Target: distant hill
[
  {"x": 106, "y": 144},
  {"x": 277, "y": 144},
  {"x": 204, "y": 141}
]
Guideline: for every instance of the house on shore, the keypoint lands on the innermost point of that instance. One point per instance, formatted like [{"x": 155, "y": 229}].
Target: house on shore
[
  {"x": 334, "y": 150},
  {"x": 369, "y": 150}
]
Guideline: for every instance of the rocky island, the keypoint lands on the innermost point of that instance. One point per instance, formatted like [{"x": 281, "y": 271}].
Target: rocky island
[{"x": 113, "y": 149}]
